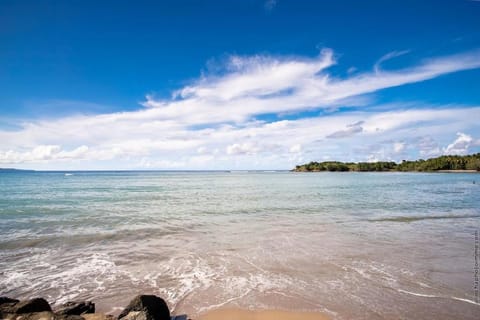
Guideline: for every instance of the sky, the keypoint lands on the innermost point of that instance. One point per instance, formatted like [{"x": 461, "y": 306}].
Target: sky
[{"x": 236, "y": 85}]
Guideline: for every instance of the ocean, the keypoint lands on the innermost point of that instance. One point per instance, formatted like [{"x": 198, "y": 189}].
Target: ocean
[{"x": 351, "y": 245}]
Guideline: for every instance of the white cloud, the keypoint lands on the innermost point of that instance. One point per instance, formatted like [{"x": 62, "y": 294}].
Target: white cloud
[
  {"x": 43, "y": 153},
  {"x": 351, "y": 130},
  {"x": 399, "y": 147},
  {"x": 213, "y": 122},
  {"x": 428, "y": 147},
  {"x": 244, "y": 148},
  {"x": 296, "y": 148},
  {"x": 460, "y": 145},
  {"x": 262, "y": 84},
  {"x": 252, "y": 143},
  {"x": 251, "y": 148}
]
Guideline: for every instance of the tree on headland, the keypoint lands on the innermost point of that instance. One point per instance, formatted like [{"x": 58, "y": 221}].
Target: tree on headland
[{"x": 452, "y": 162}]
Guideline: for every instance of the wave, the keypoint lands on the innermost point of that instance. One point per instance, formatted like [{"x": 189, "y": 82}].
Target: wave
[
  {"x": 67, "y": 238},
  {"x": 439, "y": 297},
  {"x": 418, "y": 218}
]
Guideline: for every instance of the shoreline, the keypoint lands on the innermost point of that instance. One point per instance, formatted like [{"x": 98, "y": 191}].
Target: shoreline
[
  {"x": 242, "y": 314},
  {"x": 141, "y": 307},
  {"x": 457, "y": 171},
  {"x": 389, "y": 171}
]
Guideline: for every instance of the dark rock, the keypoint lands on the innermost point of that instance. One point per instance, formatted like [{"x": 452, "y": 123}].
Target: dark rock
[
  {"x": 76, "y": 308},
  {"x": 97, "y": 316},
  {"x": 8, "y": 300},
  {"x": 46, "y": 315},
  {"x": 7, "y": 306},
  {"x": 136, "y": 315},
  {"x": 68, "y": 317},
  {"x": 154, "y": 308},
  {"x": 29, "y": 306}
]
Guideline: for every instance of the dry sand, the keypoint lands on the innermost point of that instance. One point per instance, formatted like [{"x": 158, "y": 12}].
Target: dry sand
[{"x": 238, "y": 314}]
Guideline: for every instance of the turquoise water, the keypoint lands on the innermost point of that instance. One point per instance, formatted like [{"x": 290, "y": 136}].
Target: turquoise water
[{"x": 353, "y": 245}]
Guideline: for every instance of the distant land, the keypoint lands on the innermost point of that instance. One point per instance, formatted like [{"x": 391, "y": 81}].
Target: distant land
[
  {"x": 468, "y": 163},
  {"x": 449, "y": 163},
  {"x": 14, "y": 170}
]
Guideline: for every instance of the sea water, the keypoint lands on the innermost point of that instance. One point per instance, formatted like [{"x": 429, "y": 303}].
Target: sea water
[{"x": 352, "y": 245}]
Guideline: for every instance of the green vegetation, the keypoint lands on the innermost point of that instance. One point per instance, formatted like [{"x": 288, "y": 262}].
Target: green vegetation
[{"x": 470, "y": 162}]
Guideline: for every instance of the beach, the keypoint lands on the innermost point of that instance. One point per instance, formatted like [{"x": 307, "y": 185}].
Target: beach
[
  {"x": 249, "y": 245},
  {"x": 238, "y": 314},
  {"x": 239, "y": 160}
]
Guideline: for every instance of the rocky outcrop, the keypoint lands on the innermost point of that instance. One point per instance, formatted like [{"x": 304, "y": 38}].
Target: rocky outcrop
[
  {"x": 12, "y": 306},
  {"x": 146, "y": 307},
  {"x": 45, "y": 315},
  {"x": 142, "y": 307},
  {"x": 7, "y": 300},
  {"x": 76, "y": 308},
  {"x": 39, "y": 309},
  {"x": 136, "y": 315},
  {"x": 97, "y": 316}
]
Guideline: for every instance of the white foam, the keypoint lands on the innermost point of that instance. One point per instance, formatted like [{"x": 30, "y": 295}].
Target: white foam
[
  {"x": 230, "y": 300},
  {"x": 418, "y": 294},
  {"x": 466, "y": 300},
  {"x": 423, "y": 284},
  {"x": 440, "y": 297},
  {"x": 184, "y": 274},
  {"x": 59, "y": 276}
]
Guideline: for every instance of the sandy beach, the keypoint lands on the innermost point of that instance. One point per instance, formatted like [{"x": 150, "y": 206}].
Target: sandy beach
[
  {"x": 342, "y": 244},
  {"x": 239, "y": 314}
]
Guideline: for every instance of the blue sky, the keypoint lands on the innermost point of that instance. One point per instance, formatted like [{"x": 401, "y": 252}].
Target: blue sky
[{"x": 236, "y": 84}]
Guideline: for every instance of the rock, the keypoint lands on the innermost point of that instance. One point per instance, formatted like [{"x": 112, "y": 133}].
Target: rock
[
  {"x": 136, "y": 315},
  {"x": 153, "y": 307},
  {"x": 76, "y": 308},
  {"x": 8, "y": 300},
  {"x": 29, "y": 306},
  {"x": 68, "y": 317},
  {"x": 7, "y": 306},
  {"x": 45, "y": 315},
  {"x": 97, "y": 316}
]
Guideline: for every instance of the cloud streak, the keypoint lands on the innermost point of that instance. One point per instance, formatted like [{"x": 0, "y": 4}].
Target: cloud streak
[
  {"x": 387, "y": 57},
  {"x": 348, "y": 132},
  {"x": 261, "y": 84}
]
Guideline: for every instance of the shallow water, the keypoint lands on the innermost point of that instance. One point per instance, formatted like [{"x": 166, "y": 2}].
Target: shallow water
[{"x": 353, "y": 245}]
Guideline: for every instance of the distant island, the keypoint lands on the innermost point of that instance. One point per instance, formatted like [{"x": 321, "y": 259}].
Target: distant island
[
  {"x": 469, "y": 163},
  {"x": 14, "y": 170}
]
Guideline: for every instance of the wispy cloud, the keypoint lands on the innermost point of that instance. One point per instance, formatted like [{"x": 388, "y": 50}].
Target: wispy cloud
[
  {"x": 213, "y": 121},
  {"x": 262, "y": 84},
  {"x": 349, "y": 131},
  {"x": 387, "y": 57},
  {"x": 270, "y": 5}
]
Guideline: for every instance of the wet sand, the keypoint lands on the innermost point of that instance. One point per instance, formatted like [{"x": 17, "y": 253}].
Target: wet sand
[{"x": 239, "y": 314}]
